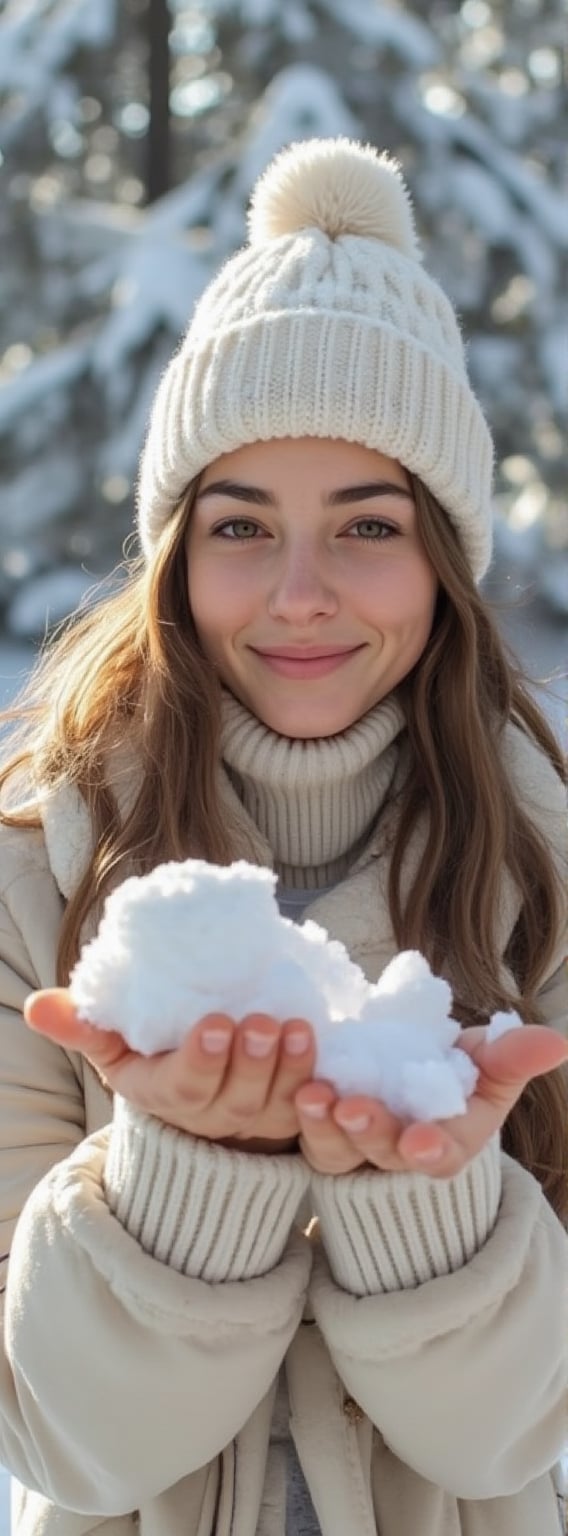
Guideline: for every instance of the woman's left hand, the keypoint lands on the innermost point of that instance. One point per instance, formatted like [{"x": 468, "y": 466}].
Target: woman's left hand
[{"x": 440, "y": 1148}]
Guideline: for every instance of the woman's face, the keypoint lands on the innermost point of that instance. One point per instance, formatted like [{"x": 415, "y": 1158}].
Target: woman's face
[{"x": 308, "y": 543}]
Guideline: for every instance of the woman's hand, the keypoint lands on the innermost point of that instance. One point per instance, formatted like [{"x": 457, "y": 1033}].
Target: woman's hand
[
  {"x": 438, "y": 1148},
  {"x": 258, "y": 1103},
  {"x": 242, "y": 1100}
]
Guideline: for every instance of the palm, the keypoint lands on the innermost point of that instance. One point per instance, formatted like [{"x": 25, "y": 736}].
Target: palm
[{"x": 395, "y": 1145}]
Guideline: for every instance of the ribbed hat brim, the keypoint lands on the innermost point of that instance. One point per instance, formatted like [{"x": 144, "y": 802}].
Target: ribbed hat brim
[{"x": 316, "y": 374}]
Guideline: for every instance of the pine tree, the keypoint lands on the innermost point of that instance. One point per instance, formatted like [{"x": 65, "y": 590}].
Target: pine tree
[{"x": 103, "y": 272}]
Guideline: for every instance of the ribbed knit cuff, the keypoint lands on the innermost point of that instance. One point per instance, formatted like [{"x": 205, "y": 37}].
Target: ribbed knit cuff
[
  {"x": 209, "y": 1213},
  {"x": 394, "y": 1231}
]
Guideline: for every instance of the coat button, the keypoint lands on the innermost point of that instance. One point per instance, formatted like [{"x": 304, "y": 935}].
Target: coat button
[{"x": 352, "y": 1410}]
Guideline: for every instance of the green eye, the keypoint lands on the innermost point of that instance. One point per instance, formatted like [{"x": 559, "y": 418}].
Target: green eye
[
  {"x": 233, "y": 522},
  {"x": 377, "y": 530},
  {"x": 381, "y": 531}
]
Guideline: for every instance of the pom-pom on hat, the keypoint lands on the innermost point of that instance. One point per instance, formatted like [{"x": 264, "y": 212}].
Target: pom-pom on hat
[
  {"x": 338, "y": 187},
  {"x": 325, "y": 325}
]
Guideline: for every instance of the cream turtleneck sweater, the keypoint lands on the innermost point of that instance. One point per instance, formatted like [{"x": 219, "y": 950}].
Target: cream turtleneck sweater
[{"x": 314, "y": 801}]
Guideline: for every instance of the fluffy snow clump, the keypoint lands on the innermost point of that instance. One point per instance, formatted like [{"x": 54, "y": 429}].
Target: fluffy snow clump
[{"x": 193, "y": 938}]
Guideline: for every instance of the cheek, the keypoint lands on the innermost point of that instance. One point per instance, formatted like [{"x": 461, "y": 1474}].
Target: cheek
[
  {"x": 403, "y": 596},
  {"x": 219, "y": 603}
]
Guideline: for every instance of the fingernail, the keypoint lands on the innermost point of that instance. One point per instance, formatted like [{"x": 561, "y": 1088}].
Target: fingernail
[
  {"x": 358, "y": 1123},
  {"x": 257, "y": 1044},
  {"x": 215, "y": 1040},
  {"x": 296, "y": 1042},
  {"x": 315, "y": 1111},
  {"x": 435, "y": 1156}
]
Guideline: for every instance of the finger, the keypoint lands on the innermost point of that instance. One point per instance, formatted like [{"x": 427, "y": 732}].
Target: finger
[
  {"x": 443, "y": 1147},
  {"x": 296, "y": 1058},
  {"x": 322, "y": 1142},
  {"x": 200, "y": 1066},
  {"x": 505, "y": 1068},
  {"x": 209, "y": 1063},
  {"x": 378, "y": 1138},
  {"x": 508, "y": 1064},
  {"x": 252, "y": 1068},
  {"x": 433, "y": 1147},
  {"x": 51, "y": 1012}
]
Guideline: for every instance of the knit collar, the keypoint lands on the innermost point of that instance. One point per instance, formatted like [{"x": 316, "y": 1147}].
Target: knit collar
[
  {"x": 315, "y": 802},
  {"x": 304, "y": 808}
]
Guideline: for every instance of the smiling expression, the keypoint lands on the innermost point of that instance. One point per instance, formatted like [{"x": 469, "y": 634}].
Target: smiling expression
[{"x": 308, "y": 543}]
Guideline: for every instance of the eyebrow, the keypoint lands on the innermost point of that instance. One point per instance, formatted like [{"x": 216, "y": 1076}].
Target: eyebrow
[{"x": 341, "y": 498}]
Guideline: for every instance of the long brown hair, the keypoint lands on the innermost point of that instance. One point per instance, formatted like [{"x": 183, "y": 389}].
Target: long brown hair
[{"x": 134, "y": 662}]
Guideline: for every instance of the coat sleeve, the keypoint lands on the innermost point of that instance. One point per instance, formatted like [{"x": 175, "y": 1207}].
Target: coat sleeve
[
  {"x": 152, "y": 1281},
  {"x": 443, "y": 1306},
  {"x": 444, "y": 1302}
]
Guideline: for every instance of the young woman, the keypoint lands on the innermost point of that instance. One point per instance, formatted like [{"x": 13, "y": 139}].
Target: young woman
[{"x": 235, "y": 1303}]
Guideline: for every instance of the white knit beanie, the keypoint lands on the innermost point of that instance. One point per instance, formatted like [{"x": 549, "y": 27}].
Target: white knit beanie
[{"x": 325, "y": 325}]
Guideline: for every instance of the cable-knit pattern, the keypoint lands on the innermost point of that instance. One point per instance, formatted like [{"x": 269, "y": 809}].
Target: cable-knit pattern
[{"x": 314, "y": 335}]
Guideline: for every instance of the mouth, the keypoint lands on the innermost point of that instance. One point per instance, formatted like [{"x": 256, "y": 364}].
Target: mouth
[
  {"x": 305, "y": 652},
  {"x": 306, "y": 663}
]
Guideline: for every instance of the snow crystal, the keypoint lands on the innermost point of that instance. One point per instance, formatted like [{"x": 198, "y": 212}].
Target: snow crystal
[{"x": 193, "y": 938}]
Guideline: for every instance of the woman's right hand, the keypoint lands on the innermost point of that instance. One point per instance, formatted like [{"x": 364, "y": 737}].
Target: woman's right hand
[{"x": 245, "y": 1101}]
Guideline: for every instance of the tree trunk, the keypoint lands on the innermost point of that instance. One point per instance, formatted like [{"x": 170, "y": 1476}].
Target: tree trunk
[{"x": 158, "y": 165}]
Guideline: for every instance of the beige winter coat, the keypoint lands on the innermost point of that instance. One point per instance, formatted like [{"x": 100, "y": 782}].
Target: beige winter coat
[{"x": 427, "y": 1370}]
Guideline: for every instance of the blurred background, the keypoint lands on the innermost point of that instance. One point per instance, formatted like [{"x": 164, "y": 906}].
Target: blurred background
[{"x": 130, "y": 136}]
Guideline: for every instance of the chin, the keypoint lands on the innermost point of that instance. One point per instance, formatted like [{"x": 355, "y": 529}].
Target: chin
[{"x": 303, "y": 726}]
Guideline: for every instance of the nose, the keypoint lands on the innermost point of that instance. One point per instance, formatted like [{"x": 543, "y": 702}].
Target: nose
[{"x": 300, "y": 593}]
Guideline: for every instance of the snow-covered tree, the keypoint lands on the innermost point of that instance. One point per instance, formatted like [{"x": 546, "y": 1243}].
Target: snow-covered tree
[{"x": 100, "y": 283}]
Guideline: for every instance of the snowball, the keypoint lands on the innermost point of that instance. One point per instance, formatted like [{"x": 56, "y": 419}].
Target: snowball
[
  {"x": 341, "y": 982},
  {"x": 193, "y": 938},
  {"x": 188, "y": 939},
  {"x": 427, "y": 1083},
  {"x": 500, "y": 1024}
]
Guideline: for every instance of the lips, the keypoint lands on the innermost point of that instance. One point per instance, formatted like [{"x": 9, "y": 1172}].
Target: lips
[
  {"x": 303, "y": 666},
  {"x": 307, "y": 653}
]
